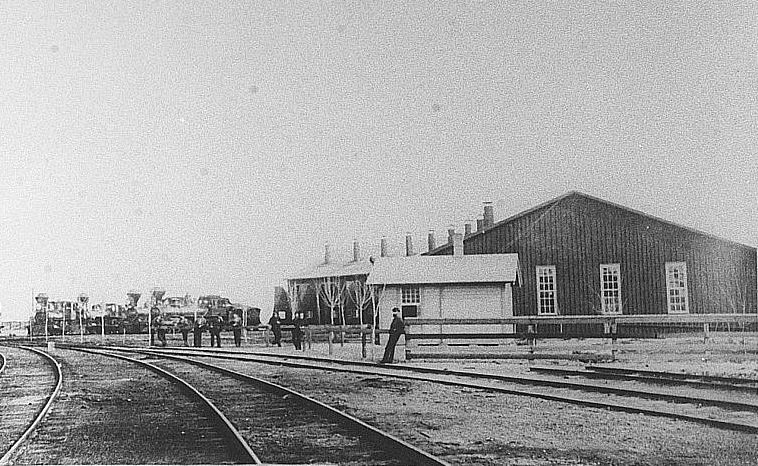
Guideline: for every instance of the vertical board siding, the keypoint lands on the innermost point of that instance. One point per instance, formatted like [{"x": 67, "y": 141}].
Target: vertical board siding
[{"x": 577, "y": 233}]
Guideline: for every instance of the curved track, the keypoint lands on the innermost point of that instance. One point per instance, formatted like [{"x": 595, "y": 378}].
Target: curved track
[
  {"x": 116, "y": 412},
  {"x": 27, "y": 392},
  {"x": 288, "y": 427},
  {"x": 704, "y": 407}
]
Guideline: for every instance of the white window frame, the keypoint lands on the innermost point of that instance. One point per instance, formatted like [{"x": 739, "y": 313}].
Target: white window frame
[
  {"x": 610, "y": 289},
  {"x": 677, "y": 294},
  {"x": 547, "y": 298},
  {"x": 410, "y": 295}
]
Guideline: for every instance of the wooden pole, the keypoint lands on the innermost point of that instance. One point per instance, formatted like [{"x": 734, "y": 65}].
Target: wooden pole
[
  {"x": 102, "y": 323},
  {"x": 81, "y": 326}
]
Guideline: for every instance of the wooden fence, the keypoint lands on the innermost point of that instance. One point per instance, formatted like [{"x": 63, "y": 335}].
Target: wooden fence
[{"x": 416, "y": 336}]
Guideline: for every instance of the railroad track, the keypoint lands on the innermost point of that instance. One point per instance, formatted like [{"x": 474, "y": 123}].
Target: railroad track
[
  {"x": 704, "y": 406},
  {"x": 283, "y": 426},
  {"x": 30, "y": 381},
  {"x": 79, "y": 426}
]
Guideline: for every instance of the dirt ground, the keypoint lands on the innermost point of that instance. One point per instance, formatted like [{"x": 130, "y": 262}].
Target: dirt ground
[{"x": 473, "y": 427}]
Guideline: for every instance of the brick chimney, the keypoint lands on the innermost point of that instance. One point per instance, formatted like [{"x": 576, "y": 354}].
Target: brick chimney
[
  {"x": 383, "y": 247},
  {"x": 457, "y": 244},
  {"x": 489, "y": 215},
  {"x": 356, "y": 251},
  {"x": 327, "y": 254},
  {"x": 479, "y": 224},
  {"x": 408, "y": 244},
  {"x": 430, "y": 239},
  {"x": 450, "y": 233},
  {"x": 467, "y": 228}
]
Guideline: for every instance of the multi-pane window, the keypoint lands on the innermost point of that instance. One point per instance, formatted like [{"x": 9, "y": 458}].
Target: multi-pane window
[
  {"x": 411, "y": 298},
  {"x": 676, "y": 287},
  {"x": 610, "y": 288},
  {"x": 546, "y": 299}
]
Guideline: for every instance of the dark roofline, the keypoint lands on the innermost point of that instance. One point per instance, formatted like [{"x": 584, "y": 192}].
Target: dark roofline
[{"x": 558, "y": 199}]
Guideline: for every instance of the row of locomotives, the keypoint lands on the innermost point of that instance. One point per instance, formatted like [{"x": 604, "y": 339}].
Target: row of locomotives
[
  {"x": 60, "y": 317},
  {"x": 214, "y": 306}
]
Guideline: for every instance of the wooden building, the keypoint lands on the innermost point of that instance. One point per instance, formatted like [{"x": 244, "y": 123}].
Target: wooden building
[
  {"x": 580, "y": 255},
  {"x": 447, "y": 287}
]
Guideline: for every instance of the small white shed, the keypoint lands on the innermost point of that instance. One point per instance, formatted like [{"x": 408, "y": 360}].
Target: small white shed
[{"x": 447, "y": 287}]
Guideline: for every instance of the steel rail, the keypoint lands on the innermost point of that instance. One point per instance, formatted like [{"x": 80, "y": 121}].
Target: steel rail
[
  {"x": 659, "y": 380},
  {"x": 230, "y": 429},
  {"x": 737, "y": 405},
  {"x": 6, "y": 458},
  {"x": 445, "y": 373},
  {"x": 396, "y": 446},
  {"x": 712, "y": 379}
]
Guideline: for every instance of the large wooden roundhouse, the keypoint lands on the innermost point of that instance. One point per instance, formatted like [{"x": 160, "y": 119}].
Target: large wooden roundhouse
[{"x": 581, "y": 255}]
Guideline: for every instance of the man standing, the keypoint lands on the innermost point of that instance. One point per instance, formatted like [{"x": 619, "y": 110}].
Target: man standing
[
  {"x": 214, "y": 325},
  {"x": 397, "y": 328},
  {"x": 184, "y": 327},
  {"x": 198, "y": 330},
  {"x": 276, "y": 326},
  {"x": 236, "y": 324},
  {"x": 297, "y": 332},
  {"x": 160, "y": 329}
]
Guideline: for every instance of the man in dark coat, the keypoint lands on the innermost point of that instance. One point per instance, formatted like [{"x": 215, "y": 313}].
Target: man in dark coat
[
  {"x": 276, "y": 326},
  {"x": 215, "y": 325},
  {"x": 184, "y": 327},
  {"x": 236, "y": 325},
  {"x": 297, "y": 332},
  {"x": 198, "y": 330},
  {"x": 397, "y": 328}
]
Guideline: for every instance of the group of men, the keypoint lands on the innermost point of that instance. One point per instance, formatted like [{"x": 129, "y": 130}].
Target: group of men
[
  {"x": 397, "y": 328},
  {"x": 213, "y": 324}
]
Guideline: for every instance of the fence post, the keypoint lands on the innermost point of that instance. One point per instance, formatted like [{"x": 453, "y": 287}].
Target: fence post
[
  {"x": 331, "y": 343},
  {"x": 531, "y": 337},
  {"x": 363, "y": 343},
  {"x": 706, "y": 332},
  {"x": 265, "y": 336}
]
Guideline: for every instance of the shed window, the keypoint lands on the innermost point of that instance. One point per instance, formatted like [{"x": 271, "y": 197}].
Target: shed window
[
  {"x": 610, "y": 288},
  {"x": 546, "y": 299},
  {"x": 411, "y": 298},
  {"x": 676, "y": 287}
]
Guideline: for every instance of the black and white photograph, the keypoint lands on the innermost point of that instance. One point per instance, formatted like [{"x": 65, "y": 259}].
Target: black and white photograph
[{"x": 361, "y": 232}]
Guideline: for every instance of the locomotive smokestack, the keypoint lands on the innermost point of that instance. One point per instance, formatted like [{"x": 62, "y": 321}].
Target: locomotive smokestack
[
  {"x": 408, "y": 244},
  {"x": 133, "y": 297},
  {"x": 431, "y": 241},
  {"x": 158, "y": 295},
  {"x": 489, "y": 215}
]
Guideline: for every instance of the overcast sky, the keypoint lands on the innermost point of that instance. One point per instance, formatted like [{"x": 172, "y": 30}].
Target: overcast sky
[{"x": 213, "y": 147}]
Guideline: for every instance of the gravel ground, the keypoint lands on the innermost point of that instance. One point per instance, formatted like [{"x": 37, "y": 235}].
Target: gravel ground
[{"x": 472, "y": 427}]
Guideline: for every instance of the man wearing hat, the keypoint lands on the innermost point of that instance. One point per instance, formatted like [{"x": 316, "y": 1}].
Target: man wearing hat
[{"x": 397, "y": 328}]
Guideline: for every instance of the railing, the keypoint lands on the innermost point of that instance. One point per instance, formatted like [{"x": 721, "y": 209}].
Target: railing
[{"x": 609, "y": 324}]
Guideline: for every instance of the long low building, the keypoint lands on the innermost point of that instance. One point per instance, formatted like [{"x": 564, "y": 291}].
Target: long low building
[{"x": 581, "y": 255}]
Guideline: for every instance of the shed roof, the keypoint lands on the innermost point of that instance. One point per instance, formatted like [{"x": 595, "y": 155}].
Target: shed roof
[
  {"x": 475, "y": 268},
  {"x": 348, "y": 269}
]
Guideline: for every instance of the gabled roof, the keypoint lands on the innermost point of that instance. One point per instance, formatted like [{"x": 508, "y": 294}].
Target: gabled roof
[
  {"x": 576, "y": 194},
  {"x": 348, "y": 269},
  {"x": 475, "y": 268}
]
